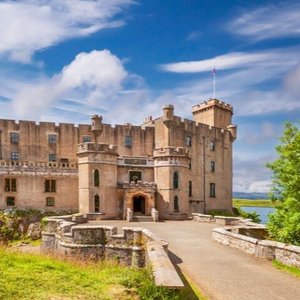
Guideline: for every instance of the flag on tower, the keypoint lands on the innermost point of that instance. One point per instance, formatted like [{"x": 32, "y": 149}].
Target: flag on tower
[{"x": 214, "y": 71}]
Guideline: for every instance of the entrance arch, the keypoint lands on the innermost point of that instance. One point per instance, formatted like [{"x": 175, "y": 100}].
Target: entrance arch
[{"x": 139, "y": 204}]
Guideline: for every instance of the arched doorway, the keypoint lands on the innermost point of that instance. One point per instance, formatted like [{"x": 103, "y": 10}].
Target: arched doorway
[{"x": 138, "y": 203}]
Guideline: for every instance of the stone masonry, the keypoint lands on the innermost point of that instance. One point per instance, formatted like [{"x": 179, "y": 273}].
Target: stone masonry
[{"x": 173, "y": 165}]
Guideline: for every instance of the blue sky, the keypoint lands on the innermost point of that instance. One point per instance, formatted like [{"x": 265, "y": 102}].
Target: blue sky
[{"x": 65, "y": 60}]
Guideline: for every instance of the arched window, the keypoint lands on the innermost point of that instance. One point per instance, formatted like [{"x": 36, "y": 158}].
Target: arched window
[
  {"x": 97, "y": 203},
  {"x": 175, "y": 180},
  {"x": 176, "y": 204},
  {"x": 96, "y": 177}
]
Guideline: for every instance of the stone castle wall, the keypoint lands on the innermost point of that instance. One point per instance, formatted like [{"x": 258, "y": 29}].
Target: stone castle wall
[{"x": 135, "y": 147}]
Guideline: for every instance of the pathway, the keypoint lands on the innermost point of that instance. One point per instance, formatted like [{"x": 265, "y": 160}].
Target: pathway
[{"x": 221, "y": 272}]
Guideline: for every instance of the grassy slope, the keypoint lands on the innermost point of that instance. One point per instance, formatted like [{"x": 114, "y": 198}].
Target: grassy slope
[
  {"x": 248, "y": 202},
  {"x": 27, "y": 276},
  {"x": 292, "y": 270}
]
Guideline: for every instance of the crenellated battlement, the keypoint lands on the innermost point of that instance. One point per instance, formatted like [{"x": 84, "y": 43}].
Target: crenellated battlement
[
  {"x": 171, "y": 151},
  {"x": 210, "y": 103}
]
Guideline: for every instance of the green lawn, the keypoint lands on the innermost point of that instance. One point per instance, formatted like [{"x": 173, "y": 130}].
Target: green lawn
[
  {"x": 28, "y": 276},
  {"x": 248, "y": 202},
  {"x": 24, "y": 276}
]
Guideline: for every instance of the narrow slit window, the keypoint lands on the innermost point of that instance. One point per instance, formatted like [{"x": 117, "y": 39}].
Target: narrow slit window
[
  {"x": 97, "y": 204},
  {"x": 176, "y": 204},
  {"x": 96, "y": 177}
]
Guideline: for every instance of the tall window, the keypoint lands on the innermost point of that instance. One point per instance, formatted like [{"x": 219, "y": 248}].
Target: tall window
[
  {"x": 50, "y": 186},
  {"x": 175, "y": 180},
  {"x": 10, "y": 201},
  {"x": 128, "y": 141},
  {"x": 188, "y": 140},
  {"x": 176, "y": 204},
  {"x": 52, "y": 157},
  {"x": 97, "y": 203},
  {"x": 52, "y": 138},
  {"x": 14, "y": 156},
  {"x": 212, "y": 166},
  {"x": 50, "y": 201},
  {"x": 212, "y": 190},
  {"x": 10, "y": 185},
  {"x": 86, "y": 138},
  {"x": 190, "y": 189},
  {"x": 14, "y": 137},
  {"x": 212, "y": 145},
  {"x": 96, "y": 177}
]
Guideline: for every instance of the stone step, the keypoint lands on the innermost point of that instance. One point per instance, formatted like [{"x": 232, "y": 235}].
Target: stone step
[{"x": 142, "y": 219}]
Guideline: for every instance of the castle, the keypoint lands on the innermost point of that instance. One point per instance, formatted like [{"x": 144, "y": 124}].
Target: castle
[{"x": 171, "y": 165}]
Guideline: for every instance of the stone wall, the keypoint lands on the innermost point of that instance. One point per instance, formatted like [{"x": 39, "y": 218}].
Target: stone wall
[
  {"x": 73, "y": 236},
  {"x": 242, "y": 238},
  {"x": 220, "y": 220}
]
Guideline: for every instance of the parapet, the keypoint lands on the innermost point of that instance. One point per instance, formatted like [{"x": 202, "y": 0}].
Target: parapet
[
  {"x": 92, "y": 147},
  {"x": 210, "y": 103},
  {"x": 171, "y": 151}
]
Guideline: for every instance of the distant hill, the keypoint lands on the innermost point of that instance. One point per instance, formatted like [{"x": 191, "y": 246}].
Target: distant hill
[{"x": 254, "y": 196}]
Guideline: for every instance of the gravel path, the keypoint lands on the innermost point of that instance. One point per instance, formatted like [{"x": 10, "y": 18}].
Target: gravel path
[{"x": 221, "y": 272}]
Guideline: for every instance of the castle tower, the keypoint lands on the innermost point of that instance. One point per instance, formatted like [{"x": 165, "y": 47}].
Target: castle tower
[
  {"x": 97, "y": 174},
  {"x": 171, "y": 169},
  {"x": 214, "y": 113},
  {"x": 171, "y": 173}
]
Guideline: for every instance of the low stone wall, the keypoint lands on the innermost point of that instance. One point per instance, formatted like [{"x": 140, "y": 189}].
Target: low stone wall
[
  {"x": 264, "y": 249},
  {"x": 202, "y": 218},
  {"x": 74, "y": 236}
]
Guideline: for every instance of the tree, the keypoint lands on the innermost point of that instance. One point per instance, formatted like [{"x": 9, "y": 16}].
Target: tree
[{"x": 284, "y": 224}]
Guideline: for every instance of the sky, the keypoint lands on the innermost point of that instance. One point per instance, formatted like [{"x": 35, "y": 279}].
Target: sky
[{"x": 63, "y": 61}]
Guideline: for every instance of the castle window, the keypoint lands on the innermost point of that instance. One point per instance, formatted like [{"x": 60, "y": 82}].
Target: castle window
[
  {"x": 212, "y": 166},
  {"x": 14, "y": 137},
  {"x": 50, "y": 186},
  {"x": 96, "y": 204},
  {"x": 212, "y": 190},
  {"x": 10, "y": 201},
  {"x": 176, "y": 204},
  {"x": 135, "y": 176},
  {"x": 128, "y": 141},
  {"x": 212, "y": 145},
  {"x": 14, "y": 156},
  {"x": 86, "y": 138},
  {"x": 49, "y": 201},
  {"x": 188, "y": 140},
  {"x": 190, "y": 189},
  {"x": 175, "y": 180},
  {"x": 10, "y": 185},
  {"x": 52, "y": 157},
  {"x": 96, "y": 177},
  {"x": 52, "y": 139},
  {"x": 190, "y": 164}
]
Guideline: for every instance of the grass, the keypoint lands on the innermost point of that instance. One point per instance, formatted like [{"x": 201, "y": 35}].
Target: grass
[
  {"x": 248, "y": 202},
  {"x": 292, "y": 270},
  {"x": 28, "y": 276}
]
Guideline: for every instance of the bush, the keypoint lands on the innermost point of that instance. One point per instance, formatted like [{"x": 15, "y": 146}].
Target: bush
[{"x": 284, "y": 224}]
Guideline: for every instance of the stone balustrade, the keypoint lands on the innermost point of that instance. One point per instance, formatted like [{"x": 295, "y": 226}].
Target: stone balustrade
[{"x": 35, "y": 167}]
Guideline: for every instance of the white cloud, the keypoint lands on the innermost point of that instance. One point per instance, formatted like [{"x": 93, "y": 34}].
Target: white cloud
[
  {"x": 233, "y": 60},
  {"x": 272, "y": 21},
  {"x": 240, "y": 84},
  {"x": 95, "y": 77},
  {"x": 32, "y": 25},
  {"x": 222, "y": 62}
]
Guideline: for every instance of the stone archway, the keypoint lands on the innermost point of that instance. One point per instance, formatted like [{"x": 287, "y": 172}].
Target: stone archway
[{"x": 139, "y": 204}]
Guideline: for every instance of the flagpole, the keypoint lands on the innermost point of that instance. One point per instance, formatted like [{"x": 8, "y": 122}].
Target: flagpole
[{"x": 214, "y": 83}]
